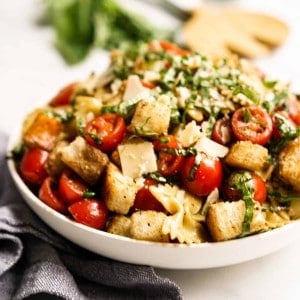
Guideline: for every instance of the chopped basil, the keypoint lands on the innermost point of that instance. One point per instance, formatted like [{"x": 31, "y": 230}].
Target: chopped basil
[{"x": 88, "y": 194}]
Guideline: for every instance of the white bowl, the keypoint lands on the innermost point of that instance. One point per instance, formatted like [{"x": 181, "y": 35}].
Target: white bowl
[{"x": 162, "y": 255}]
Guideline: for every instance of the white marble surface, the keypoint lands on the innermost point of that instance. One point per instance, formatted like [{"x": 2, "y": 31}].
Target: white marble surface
[{"x": 30, "y": 70}]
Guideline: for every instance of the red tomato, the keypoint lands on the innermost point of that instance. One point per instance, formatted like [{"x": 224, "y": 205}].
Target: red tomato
[
  {"x": 71, "y": 188},
  {"x": 49, "y": 195},
  {"x": 144, "y": 200},
  {"x": 32, "y": 167},
  {"x": 201, "y": 178},
  {"x": 294, "y": 111},
  {"x": 171, "y": 48},
  {"x": 105, "y": 132},
  {"x": 90, "y": 212},
  {"x": 148, "y": 84},
  {"x": 232, "y": 192},
  {"x": 64, "y": 96},
  {"x": 222, "y": 131},
  {"x": 252, "y": 123},
  {"x": 168, "y": 163},
  {"x": 282, "y": 125}
]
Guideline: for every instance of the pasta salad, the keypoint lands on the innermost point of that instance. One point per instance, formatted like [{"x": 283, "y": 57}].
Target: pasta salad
[{"x": 168, "y": 145}]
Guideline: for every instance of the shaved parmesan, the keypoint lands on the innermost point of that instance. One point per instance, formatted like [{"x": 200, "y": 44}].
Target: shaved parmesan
[
  {"x": 137, "y": 158},
  {"x": 134, "y": 88},
  {"x": 190, "y": 134},
  {"x": 210, "y": 147}
]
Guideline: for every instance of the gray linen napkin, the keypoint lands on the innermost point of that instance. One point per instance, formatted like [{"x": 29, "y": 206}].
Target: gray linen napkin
[{"x": 37, "y": 263}]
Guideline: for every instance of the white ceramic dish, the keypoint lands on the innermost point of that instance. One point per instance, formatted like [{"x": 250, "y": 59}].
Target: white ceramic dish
[{"x": 162, "y": 255}]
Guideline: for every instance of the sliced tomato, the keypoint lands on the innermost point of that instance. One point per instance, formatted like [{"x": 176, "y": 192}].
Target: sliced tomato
[
  {"x": 148, "y": 84},
  {"x": 173, "y": 48},
  {"x": 144, "y": 200},
  {"x": 32, "y": 167},
  {"x": 90, "y": 212},
  {"x": 48, "y": 193},
  {"x": 283, "y": 126},
  {"x": 294, "y": 110},
  {"x": 64, "y": 96},
  {"x": 169, "y": 162},
  {"x": 252, "y": 123},
  {"x": 71, "y": 188},
  {"x": 233, "y": 191},
  {"x": 222, "y": 132},
  {"x": 201, "y": 174},
  {"x": 105, "y": 132}
]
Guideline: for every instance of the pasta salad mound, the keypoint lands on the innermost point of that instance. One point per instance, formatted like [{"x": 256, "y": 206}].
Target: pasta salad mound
[{"x": 167, "y": 145}]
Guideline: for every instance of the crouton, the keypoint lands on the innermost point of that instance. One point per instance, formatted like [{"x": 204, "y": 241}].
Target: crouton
[
  {"x": 54, "y": 164},
  {"x": 118, "y": 191},
  {"x": 225, "y": 220},
  {"x": 119, "y": 225},
  {"x": 85, "y": 160},
  {"x": 151, "y": 117},
  {"x": 289, "y": 164},
  {"x": 43, "y": 132},
  {"x": 246, "y": 155},
  {"x": 147, "y": 225}
]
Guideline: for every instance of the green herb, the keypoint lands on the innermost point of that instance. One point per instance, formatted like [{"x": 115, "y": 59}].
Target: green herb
[
  {"x": 270, "y": 84},
  {"x": 88, "y": 194},
  {"x": 242, "y": 181},
  {"x": 180, "y": 152},
  {"x": 81, "y": 25},
  {"x": 156, "y": 176},
  {"x": 283, "y": 198},
  {"x": 276, "y": 101},
  {"x": 246, "y": 115},
  {"x": 248, "y": 92}
]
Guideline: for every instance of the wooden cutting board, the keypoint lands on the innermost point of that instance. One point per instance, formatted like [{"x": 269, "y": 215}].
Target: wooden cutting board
[{"x": 213, "y": 31}]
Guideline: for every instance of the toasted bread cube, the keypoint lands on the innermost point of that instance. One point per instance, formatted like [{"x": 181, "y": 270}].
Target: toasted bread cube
[
  {"x": 118, "y": 191},
  {"x": 289, "y": 164},
  {"x": 147, "y": 225},
  {"x": 152, "y": 116},
  {"x": 246, "y": 155},
  {"x": 119, "y": 225},
  {"x": 54, "y": 164},
  {"x": 225, "y": 220},
  {"x": 85, "y": 160},
  {"x": 43, "y": 132}
]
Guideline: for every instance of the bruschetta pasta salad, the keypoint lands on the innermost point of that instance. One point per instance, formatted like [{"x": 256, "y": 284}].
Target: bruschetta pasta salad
[{"x": 168, "y": 145}]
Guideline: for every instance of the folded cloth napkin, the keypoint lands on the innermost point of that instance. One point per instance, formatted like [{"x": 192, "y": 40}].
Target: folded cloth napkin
[{"x": 37, "y": 263}]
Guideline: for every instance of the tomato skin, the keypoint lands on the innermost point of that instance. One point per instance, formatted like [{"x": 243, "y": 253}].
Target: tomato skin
[
  {"x": 90, "y": 212},
  {"x": 144, "y": 200},
  {"x": 105, "y": 132},
  {"x": 173, "y": 48},
  {"x": 252, "y": 123},
  {"x": 222, "y": 132},
  {"x": 64, "y": 96},
  {"x": 32, "y": 167},
  {"x": 49, "y": 195},
  {"x": 231, "y": 192},
  {"x": 70, "y": 187},
  {"x": 207, "y": 176},
  {"x": 294, "y": 111},
  {"x": 282, "y": 125},
  {"x": 168, "y": 164}
]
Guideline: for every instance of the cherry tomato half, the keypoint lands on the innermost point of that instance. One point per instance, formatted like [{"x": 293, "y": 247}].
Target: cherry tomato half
[
  {"x": 71, "y": 188},
  {"x": 201, "y": 174},
  {"x": 282, "y": 125},
  {"x": 90, "y": 212},
  {"x": 105, "y": 132},
  {"x": 32, "y": 167},
  {"x": 294, "y": 111},
  {"x": 144, "y": 200},
  {"x": 222, "y": 132},
  {"x": 168, "y": 163},
  {"x": 252, "y": 123},
  {"x": 171, "y": 48},
  {"x": 49, "y": 195},
  {"x": 231, "y": 191},
  {"x": 64, "y": 96}
]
